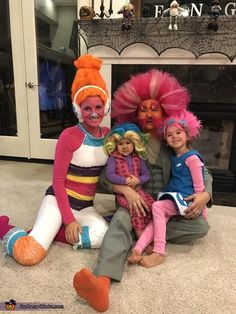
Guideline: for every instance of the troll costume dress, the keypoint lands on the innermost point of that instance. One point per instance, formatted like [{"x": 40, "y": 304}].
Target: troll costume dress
[{"x": 79, "y": 159}]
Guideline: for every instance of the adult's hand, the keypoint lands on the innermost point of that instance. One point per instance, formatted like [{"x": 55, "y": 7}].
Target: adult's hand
[
  {"x": 136, "y": 203},
  {"x": 71, "y": 232},
  {"x": 198, "y": 202}
]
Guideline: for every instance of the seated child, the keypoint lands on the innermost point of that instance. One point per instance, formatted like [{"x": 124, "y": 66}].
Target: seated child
[
  {"x": 186, "y": 179},
  {"x": 126, "y": 145}
]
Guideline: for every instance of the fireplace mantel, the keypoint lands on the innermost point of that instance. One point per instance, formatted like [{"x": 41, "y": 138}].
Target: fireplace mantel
[{"x": 192, "y": 35}]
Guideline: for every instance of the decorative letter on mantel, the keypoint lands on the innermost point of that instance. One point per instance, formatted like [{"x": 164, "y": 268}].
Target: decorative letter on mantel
[{"x": 192, "y": 35}]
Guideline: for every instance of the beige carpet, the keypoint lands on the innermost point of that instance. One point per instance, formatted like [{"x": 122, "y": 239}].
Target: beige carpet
[{"x": 196, "y": 278}]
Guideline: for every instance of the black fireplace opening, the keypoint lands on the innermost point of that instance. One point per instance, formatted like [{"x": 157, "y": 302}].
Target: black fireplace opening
[{"x": 213, "y": 100}]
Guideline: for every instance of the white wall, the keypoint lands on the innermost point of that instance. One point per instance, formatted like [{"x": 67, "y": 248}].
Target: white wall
[
  {"x": 47, "y": 7},
  {"x": 66, "y": 16},
  {"x": 116, "y": 5}
]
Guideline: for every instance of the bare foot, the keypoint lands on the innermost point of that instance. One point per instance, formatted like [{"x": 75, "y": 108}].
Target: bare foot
[
  {"x": 152, "y": 260},
  {"x": 149, "y": 249},
  {"x": 135, "y": 257},
  {"x": 138, "y": 233}
]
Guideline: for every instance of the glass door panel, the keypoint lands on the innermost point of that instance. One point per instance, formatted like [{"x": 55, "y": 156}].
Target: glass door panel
[
  {"x": 8, "y": 123},
  {"x": 50, "y": 71},
  {"x": 55, "y": 65},
  {"x": 14, "y": 139}
]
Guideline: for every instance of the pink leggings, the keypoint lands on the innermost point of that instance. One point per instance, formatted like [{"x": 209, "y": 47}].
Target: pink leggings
[{"x": 155, "y": 231}]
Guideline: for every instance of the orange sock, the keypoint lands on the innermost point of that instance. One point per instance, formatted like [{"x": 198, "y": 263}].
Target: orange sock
[
  {"x": 93, "y": 289},
  {"x": 28, "y": 252}
]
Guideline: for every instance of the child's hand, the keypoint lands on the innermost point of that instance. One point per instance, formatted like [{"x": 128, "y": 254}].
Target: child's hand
[
  {"x": 132, "y": 181},
  {"x": 71, "y": 232}
]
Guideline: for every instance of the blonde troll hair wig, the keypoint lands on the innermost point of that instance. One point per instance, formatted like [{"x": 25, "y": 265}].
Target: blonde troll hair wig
[{"x": 127, "y": 131}]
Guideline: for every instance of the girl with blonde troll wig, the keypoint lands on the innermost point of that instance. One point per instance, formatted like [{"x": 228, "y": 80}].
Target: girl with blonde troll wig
[
  {"x": 126, "y": 145},
  {"x": 133, "y": 134}
]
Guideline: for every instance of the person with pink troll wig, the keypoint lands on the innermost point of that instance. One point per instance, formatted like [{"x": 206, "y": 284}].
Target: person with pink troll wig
[
  {"x": 146, "y": 99},
  {"x": 186, "y": 179}
]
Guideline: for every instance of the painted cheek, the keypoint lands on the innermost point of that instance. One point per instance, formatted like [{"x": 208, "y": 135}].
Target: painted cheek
[
  {"x": 100, "y": 112},
  {"x": 86, "y": 120},
  {"x": 141, "y": 122},
  {"x": 155, "y": 120},
  {"x": 158, "y": 115},
  {"x": 85, "y": 115}
]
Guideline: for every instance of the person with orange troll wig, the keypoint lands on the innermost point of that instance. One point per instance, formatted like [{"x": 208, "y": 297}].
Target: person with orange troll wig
[
  {"x": 186, "y": 179},
  {"x": 146, "y": 99},
  {"x": 79, "y": 159}
]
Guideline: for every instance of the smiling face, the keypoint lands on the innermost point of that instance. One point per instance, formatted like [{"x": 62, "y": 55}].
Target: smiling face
[
  {"x": 149, "y": 113},
  {"x": 177, "y": 139},
  {"x": 92, "y": 112},
  {"x": 125, "y": 147}
]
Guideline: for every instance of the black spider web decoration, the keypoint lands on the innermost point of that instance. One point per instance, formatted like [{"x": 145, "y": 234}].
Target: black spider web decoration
[{"x": 192, "y": 35}]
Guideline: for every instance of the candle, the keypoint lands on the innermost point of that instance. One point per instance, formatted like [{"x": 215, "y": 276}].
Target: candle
[
  {"x": 93, "y": 4},
  {"x": 110, "y": 9},
  {"x": 102, "y": 2}
]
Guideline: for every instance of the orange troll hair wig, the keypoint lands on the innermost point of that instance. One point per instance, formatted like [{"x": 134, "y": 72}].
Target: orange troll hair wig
[{"x": 88, "y": 82}]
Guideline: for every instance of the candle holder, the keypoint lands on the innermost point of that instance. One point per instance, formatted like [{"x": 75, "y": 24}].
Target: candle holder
[{"x": 102, "y": 13}]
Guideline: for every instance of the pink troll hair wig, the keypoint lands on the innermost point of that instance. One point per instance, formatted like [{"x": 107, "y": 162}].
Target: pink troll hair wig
[
  {"x": 186, "y": 120},
  {"x": 153, "y": 84}
]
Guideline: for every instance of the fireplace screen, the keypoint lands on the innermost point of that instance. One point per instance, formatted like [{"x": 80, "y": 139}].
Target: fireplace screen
[
  {"x": 207, "y": 84},
  {"x": 215, "y": 143},
  {"x": 213, "y": 99}
]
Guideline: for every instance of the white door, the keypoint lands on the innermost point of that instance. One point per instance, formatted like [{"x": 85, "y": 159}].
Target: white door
[
  {"x": 14, "y": 128},
  {"x": 43, "y": 72}
]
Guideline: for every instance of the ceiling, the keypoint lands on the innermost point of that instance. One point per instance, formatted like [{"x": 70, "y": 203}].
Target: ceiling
[{"x": 57, "y": 2}]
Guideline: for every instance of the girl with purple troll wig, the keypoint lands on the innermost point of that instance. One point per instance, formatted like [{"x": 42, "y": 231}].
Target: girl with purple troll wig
[{"x": 186, "y": 179}]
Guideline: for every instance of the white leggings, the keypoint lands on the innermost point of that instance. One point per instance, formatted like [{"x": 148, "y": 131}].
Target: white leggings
[{"x": 49, "y": 221}]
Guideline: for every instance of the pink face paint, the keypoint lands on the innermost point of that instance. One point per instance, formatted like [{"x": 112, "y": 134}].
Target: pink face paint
[
  {"x": 92, "y": 112},
  {"x": 148, "y": 114}
]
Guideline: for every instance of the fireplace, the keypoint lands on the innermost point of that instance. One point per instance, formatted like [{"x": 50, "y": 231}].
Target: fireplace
[
  {"x": 213, "y": 100},
  {"x": 202, "y": 60},
  {"x": 217, "y": 143}
]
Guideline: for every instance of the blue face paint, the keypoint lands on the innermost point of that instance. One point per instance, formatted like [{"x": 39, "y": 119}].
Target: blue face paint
[{"x": 94, "y": 115}]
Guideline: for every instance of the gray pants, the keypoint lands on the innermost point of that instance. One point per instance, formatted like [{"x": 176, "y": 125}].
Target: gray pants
[{"x": 118, "y": 240}]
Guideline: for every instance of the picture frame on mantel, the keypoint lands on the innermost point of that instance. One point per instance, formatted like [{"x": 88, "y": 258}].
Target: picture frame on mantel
[
  {"x": 144, "y": 8},
  {"x": 137, "y": 7}
]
